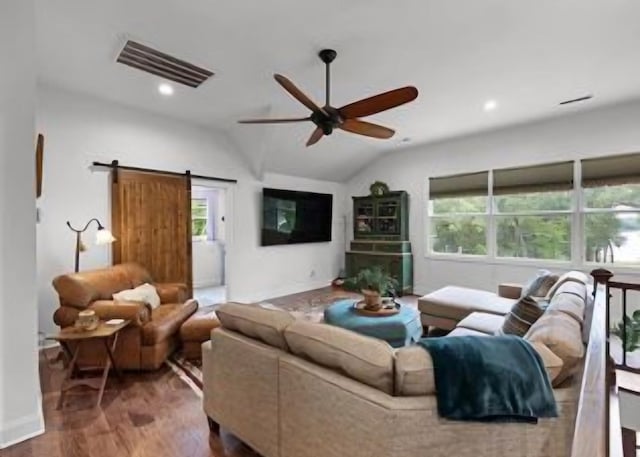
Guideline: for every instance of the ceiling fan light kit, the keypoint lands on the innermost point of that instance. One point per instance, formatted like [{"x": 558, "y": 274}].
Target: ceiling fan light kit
[{"x": 327, "y": 118}]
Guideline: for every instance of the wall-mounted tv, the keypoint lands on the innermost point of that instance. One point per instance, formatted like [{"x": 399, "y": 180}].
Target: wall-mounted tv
[{"x": 290, "y": 217}]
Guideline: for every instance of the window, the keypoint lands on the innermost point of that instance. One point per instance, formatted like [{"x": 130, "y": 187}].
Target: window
[
  {"x": 458, "y": 210},
  {"x": 533, "y": 208},
  {"x": 611, "y": 209},
  {"x": 536, "y": 213},
  {"x": 199, "y": 218}
]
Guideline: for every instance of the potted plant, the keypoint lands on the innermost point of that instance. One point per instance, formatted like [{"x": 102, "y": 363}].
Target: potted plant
[{"x": 374, "y": 283}]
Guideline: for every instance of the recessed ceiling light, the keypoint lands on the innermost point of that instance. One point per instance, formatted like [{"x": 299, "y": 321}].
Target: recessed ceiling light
[
  {"x": 490, "y": 105},
  {"x": 165, "y": 89}
]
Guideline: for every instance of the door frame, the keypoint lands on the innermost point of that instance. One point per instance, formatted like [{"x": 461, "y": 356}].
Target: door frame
[{"x": 229, "y": 218}]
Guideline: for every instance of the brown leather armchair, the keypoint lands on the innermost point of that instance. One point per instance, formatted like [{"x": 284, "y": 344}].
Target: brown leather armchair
[{"x": 151, "y": 336}]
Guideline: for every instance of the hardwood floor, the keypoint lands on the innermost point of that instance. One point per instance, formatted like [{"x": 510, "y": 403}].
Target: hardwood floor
[{"x": 146, "y": 415}]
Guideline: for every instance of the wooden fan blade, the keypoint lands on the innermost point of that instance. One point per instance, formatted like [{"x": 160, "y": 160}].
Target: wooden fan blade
[
  {"x": 367, "y": 129},
  {"x": 378, "y": 103},
  {"x": 315, "y": 136},
  {"x": 274, "y": 121},
  {"x": 297, "y": 93}
]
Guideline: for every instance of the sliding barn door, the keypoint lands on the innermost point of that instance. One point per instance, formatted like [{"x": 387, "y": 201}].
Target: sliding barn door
[{"x": 151, "y": 218}]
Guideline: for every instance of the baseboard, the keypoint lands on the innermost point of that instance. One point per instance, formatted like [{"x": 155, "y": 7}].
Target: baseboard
[{"x": 22, "y": 429}]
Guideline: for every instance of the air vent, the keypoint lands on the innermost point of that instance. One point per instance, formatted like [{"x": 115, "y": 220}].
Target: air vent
[
  {"x": 577, "y": 100},
  {"x": 144, "y": 58}
]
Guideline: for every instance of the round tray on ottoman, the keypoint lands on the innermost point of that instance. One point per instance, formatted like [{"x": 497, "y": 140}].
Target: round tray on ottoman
[
  {"x": 359, "y": 308},
  {"x": 196, "y": 330}
]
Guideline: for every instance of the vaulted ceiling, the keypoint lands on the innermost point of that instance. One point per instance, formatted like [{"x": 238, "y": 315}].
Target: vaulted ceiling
[{"x": 527, "y": 56}]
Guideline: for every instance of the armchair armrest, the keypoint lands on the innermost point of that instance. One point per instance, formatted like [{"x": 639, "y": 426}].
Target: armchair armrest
[
  {"x": 138, "y": 313},
  {"x": 172, "y": 292},
  {"x": 65, "y": 316},
  {"x": 510, "y": 290}
]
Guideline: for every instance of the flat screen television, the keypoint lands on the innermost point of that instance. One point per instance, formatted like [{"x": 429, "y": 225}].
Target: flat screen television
[{"x": 290, "y": 217}]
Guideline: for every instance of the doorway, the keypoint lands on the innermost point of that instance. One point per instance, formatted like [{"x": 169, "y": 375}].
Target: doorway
[{"x": 209, "y": 242}]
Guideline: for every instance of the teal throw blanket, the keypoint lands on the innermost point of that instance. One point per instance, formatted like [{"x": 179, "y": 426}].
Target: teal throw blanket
[{"x": 498, "y": 378}]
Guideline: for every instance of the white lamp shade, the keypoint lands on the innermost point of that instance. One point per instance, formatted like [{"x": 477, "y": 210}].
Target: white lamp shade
[{"x": 104, "y": 236}]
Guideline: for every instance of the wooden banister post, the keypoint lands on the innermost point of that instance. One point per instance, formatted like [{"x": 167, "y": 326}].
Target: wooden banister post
[{"x": 600, "y": 276}]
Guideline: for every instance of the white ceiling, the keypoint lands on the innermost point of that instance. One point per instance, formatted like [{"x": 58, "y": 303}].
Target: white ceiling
[{"x": 527, "y": 55}]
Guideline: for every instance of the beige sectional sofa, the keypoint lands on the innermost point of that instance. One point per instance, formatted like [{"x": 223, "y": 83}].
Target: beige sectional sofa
[{"x": 291, "y": 388}]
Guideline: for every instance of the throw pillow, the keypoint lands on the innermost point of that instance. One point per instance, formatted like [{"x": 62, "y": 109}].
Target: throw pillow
[
  {"x": 540, "y": 285},
  {"x": 145, "y": 293},
  {"x": 524, "y": 313}
]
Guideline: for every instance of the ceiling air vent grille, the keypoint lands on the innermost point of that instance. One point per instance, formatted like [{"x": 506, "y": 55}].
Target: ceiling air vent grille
[{"x": 144, "y": 58}]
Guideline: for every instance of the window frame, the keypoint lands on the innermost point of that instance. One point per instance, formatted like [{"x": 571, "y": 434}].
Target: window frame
[
  {"x": 205, "y": 237},
  {"x": 429, "y": 217},
  {"x": 577, "y": 220},
  {"x": 584, "y": 212}
]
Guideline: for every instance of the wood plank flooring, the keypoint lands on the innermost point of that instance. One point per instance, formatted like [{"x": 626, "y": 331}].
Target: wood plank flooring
[{"x": 146, "y": 415}]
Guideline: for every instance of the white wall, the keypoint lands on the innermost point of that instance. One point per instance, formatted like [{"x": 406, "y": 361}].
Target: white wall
[
  {"x": 20, "y": 398},
  {"x": 80, "y": 130},
  {"x": 612, "y": 130}
]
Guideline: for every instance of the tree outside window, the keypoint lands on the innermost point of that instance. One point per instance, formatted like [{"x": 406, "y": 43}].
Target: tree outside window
[{"x": 199, "y": 218}]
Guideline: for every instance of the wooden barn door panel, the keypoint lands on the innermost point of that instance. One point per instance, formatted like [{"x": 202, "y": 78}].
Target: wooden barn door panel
[{"x": 151, "y": 218}]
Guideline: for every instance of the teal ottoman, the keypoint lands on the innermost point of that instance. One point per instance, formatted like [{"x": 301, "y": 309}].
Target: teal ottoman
[{"x": 399, "y": 330}]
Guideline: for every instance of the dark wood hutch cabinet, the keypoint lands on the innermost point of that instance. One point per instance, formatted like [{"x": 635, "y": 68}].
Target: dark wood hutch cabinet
[{"x": 381, "y": 237}]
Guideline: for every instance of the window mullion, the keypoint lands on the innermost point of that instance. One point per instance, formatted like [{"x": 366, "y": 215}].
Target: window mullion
[{"x": 491, "y": 223}]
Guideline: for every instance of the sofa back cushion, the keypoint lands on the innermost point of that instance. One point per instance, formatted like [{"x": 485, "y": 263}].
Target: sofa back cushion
[
  {"x": 524, "y": 313},
  {"x": 562, "y": 334},
  {"x": 266, "y": 325},
  {"x": 570, "y": 298},
  {"x": 414, "y": 374},
  {"x": 359, "y": 357},
  {"x": 80, "y": 289},
  {"x": 570, "y": 276}
]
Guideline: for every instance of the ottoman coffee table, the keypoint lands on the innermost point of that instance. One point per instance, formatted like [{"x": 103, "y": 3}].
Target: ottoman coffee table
[
  {"x": 401, "y": 329},
  {"x": 196, "y": 330}
]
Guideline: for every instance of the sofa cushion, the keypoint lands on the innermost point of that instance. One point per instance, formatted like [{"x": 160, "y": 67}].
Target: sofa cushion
[
  {"x": 136, "y": 273},
  {"x": 570, "y": 276},
  {"x": 453, "y": 302},
  {"x": 561, "y": 333},
  {"x": 552, "y": 363},
  {"x": 524, "y": 313},
  {"x": 166, "y": 321},
  {"x": 570, "y": 298},
  {"x": 461, "y": 331},
  {"x": 255, "y": 322},
  {"x": 365, "y": 359},
  {"x": 483, "y": 322},
  {"x": 414, "y": 372}
]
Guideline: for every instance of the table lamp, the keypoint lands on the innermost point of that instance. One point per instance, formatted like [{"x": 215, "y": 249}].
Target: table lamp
[{"x": 103, "y": 236}]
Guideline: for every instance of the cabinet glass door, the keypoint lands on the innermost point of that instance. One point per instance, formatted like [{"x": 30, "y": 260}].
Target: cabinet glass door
[
  {"x": 387, "y": 221},
  {"x": 364, "y": 218}
]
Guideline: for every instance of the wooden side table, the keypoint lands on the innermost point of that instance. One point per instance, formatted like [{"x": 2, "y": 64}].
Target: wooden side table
[{"x": 108, "y": 333}]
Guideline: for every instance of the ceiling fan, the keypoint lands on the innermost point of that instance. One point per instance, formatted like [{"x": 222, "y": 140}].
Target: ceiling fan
[{"x": 327, "y": 118}]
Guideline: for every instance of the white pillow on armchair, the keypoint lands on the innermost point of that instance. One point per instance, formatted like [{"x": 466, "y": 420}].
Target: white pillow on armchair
[{"x": 145, "y": 293}]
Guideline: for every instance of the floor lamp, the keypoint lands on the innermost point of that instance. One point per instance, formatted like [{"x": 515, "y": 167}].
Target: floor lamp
[{"x": 103, "y": 236}]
